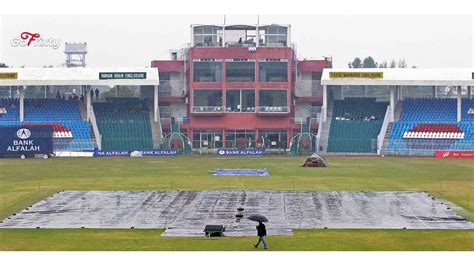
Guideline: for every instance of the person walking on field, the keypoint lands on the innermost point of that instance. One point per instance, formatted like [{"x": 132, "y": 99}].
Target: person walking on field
[{"x": 261, "y": 232}]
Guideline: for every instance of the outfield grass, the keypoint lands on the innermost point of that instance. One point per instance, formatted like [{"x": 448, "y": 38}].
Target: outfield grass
[{"x": 23, "y": 183}]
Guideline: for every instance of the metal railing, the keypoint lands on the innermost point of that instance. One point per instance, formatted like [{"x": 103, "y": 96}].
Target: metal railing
[
  {"x": 273, "y": 109},
  {"x": 207, "y": 109},
  {"x": 424, "y": 147}
]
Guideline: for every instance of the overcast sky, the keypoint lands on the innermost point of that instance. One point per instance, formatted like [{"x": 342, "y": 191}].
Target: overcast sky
[{"x": 133, "y": 41}]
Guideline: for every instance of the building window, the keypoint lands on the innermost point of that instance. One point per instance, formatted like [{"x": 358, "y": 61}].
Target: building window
[
  {"x": 273, "y": 71},
  {"x": 240, "y": 71},
  {"x": 272, "y": 139},
  {"x": 207, "y": 36},
  {"x": 207, "y": 101},
  {"x": 211, "y": 139},
  {"x": 273, "y": 101},
  {"x": 240, "y": 100},
  {"x": 207, "y": 71},
  {"x": 275, "y": 36},
  {"x": 241, "y": 139}
]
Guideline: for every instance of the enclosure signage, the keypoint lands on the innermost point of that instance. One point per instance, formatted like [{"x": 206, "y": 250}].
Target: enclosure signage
[
  {"x": 8, "y": 75},
  {"x": 356, "y": 75},
  {"x": 15, "y": 141},
  {"x": 454, "y": 154},
  {"x": 117, "y": 153},
  {"x": 122, "y": 75},
  {"x": 240, "y": 152}
]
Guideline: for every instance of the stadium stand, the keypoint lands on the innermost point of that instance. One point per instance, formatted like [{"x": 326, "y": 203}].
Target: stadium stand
[
  {"x": 71, "y": 133},
  {"x": 355, "y": 124},
  {"x": 124, "y": 124},
  {"x": 427, "y": 125}
]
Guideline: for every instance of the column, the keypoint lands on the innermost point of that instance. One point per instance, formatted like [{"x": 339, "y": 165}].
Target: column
[
  {"x": 88, "y": 102},
  {"x": 22, "y": 103},
  {"x": 325, "y": 103},
  {"x": 434, "y": 92},
  {"x": 459, "y": 96},
  {"x": 155, "y": 103},
  {"x": 392, "y": 104},
  {"x": 469, "y": 92},
  {"x": 365, "y": 91}
]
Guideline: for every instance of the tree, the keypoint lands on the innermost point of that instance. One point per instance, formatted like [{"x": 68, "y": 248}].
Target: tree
[
  {"x": 356, "y": 63},
  {"x": 393, "y": 64},
  {"x": 3, "y": 65},
  {"x": 384, "y": 64},
  {"x": 402, "y": 63},
  {"x": 369, "y": 62}
]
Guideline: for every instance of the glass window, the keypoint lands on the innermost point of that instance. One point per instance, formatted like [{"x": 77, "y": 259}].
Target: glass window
[
  {"x": 240, "y": 139},
  {"x": 207, "y": 100},
  {"x": 207, "y": 71},
  {"x": 273, "y": 71},
  {"x": 273, "y": 101},
  {"x": 273, "y": 139},
  {"x": 240, "y": 71},
  {"x": 240, "y": 100},
  {"x": 211, "y": 139}
]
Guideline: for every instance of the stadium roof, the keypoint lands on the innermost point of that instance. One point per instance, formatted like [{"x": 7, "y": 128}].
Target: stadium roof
[
  {"x": 398, "y": 76},
  {"x": 78, "y": 76}
]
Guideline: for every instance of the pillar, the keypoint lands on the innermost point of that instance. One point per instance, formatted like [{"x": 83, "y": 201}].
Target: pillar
[
  {"x": 459, "y": 97},
  {"x": 155, "y": 103},
  {"x": 365, "y": 91},
  {"x": 325, "y": 103},
  {"x": 469, "y": 92},
  {"x": 392, "y": 104},
  {"x": 88, "y": 102},
  {"x": 434, "y": 92},
  {"x": 22, "y": 102}
]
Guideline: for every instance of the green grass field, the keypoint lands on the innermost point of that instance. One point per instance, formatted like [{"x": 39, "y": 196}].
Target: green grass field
[{"x": 22, "y": 183}]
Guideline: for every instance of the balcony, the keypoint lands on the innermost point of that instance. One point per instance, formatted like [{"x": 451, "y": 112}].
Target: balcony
[
  {"x": 207, "y": 110},
  {"x": 273, "y": 110}
]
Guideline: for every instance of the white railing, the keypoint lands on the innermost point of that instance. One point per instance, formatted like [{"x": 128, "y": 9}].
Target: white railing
[
  {"x": 383, "y": 130},
  {"x": 207, "y": 109},
  {"x": 95, "y": 129},
  {"x": 273, "y": 109}
]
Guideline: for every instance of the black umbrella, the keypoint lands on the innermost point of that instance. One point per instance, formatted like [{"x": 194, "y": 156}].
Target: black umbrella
[{"x": 258, "y": 218}]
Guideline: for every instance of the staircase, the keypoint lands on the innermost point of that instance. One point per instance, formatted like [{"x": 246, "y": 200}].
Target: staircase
[
  {"x": 398, "y": 111},
  {"x": 156, "y": 132},
  {"x": 387, "y": 136},
  {"x": 326, "y": 126}
]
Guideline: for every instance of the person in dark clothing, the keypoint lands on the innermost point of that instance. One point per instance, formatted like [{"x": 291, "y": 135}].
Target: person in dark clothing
[
  {"x": 58, "y": 95},
  {"x": 96, "y": 93},
  {"x": 92, "y": 94},
  {"x": 261, "y": 232}
]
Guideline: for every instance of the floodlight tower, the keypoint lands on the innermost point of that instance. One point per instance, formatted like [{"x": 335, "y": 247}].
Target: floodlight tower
[{"x": 75, "y": 54}]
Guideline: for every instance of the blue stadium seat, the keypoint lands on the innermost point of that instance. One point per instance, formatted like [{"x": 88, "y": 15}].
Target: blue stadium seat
[{"x": 49, "y": 111}]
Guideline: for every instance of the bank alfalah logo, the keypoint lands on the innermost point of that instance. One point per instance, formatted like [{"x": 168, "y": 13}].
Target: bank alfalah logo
[{"x": 23, "y": 133}]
